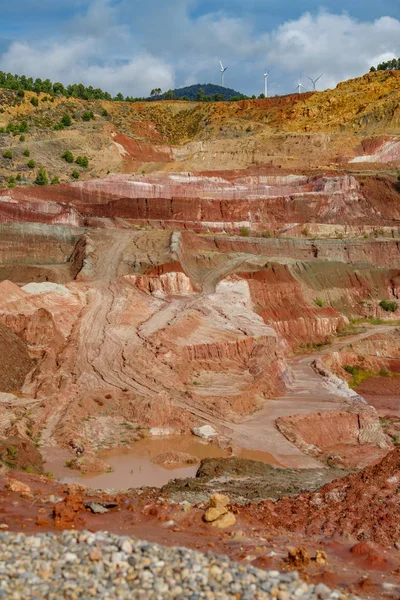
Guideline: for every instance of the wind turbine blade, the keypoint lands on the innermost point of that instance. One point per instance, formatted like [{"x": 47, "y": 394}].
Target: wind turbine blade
[
  {"x": 222, "y": 66},
  {"x": 318, "y": 78},
  {"x": 312, "y": 81}
]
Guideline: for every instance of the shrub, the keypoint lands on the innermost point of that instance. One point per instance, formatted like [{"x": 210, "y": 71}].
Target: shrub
[
  {"x": 350, "y": 369},
  {"x": 31, "y": 163},
  {"x": 244, "y": 232},
  {"x": 87, "y": 115},
  {"x": 384, "y": 373},
  {"x": 267, "y": 234},
  {"x": 319, "y": 302},
  {"x": 27, "y": 152},
  {"x": 7, "y": 154},
  {"x": 23, "y": 127},
  {"x": 11, "y": 180},
  {"x": 104, "y": 113},
  {"x": 42, "y": 178},
  {"x": 68, "y": 156},
  {"x": 55, "y": 181},
  {"x": 21, "y": 138},
  {"x": 20, "y": 93},
  {"x": 389, "y": 305},
  {"x": 34, "y": 101},
  {"x": 12, "y": 452},
  {"x": 66, "y": 120},
  {"x": 82, "y": 161},
  {"x": 75, "y": 174},
  {"x": 59, "y": 126},
  {"x": 18, "y": 177}
]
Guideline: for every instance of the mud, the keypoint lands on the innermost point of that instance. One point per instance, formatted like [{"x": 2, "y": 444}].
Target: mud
[{"x": 243, "y": 479}]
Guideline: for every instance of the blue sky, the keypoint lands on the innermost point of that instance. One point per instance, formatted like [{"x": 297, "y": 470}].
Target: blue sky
[{"x": 131, "y": 46}]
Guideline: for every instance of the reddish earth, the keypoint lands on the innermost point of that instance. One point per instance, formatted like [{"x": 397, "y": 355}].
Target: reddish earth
[
  {"x": 199, "y": 292},
  {"x": 329, "y": 521}
]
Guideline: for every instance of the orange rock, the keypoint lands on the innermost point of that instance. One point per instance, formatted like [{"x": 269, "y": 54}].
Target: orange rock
[{"x": 14, "y": 485}]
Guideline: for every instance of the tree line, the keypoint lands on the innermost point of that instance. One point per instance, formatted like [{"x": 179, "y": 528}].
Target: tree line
[
  {"x": 75, "y": 90},
  {"x": 389, "y": 65},
  {"x": 22, "y": 83}
]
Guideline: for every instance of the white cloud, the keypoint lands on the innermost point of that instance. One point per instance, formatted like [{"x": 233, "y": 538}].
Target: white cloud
[
  {"x": 132, "y": 47},
  {"x": 337, "y": 45}
]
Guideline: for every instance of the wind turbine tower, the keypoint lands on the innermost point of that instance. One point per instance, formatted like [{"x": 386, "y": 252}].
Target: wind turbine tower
[
  {"x": 314, "y": 81},
  {"x": 223, "y": 69},
  {"x": 299, "y": 87},
  {"x": 266, "y": 75}
]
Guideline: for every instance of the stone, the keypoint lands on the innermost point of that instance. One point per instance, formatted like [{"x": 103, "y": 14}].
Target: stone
[
  {"x": 322, "y": 591},
  {"x": 205, "y": 432},
  {"x": 95, "y": 554},
  {"x": 19, "y": 488},
  {"x": 219, "y": 501},
  {"x": 96, "y": 508},
  {"x": 227, "y": 520},
  {"x": 321, "y": 557},
  {"x": 212, "y": 514}
]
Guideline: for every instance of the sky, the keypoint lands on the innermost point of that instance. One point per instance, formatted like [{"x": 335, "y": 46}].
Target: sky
[{"x": 132, "y": 47}]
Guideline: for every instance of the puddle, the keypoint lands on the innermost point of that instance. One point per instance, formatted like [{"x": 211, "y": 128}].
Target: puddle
[{"x": 134, "y": 468}]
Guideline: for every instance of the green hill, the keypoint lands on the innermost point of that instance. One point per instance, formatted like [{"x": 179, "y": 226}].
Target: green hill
[{"x": 206, "y": 91}]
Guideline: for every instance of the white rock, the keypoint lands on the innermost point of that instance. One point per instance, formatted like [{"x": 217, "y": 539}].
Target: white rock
[
  {"x": 205, "y": 432},
  {"x": 161, "y": 431},
  {"x": 46, "y": 287}
]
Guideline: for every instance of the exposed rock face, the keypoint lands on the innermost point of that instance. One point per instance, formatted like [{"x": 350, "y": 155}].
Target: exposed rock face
[
  {"x": 209, "y": 203},
  {"x": 352, "y": 437}
]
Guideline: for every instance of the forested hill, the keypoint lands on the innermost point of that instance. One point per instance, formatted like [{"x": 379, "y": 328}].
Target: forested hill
[{"x": 199, "y": 92}]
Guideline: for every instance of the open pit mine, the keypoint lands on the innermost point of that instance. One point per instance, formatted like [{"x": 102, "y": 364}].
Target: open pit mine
[{"x": 211, "y": 311}]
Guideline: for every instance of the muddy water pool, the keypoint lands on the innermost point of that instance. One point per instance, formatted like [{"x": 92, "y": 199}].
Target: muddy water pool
[{"x": 134, "y": 467}]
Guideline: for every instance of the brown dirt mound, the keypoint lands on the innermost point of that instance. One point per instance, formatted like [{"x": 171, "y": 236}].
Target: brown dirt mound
[
  {"x": 15, "y": 362},
  {"x": 363, "y": 505},
  {"x": 21, "y": 454},
  {"x": 170, "y": 459}
]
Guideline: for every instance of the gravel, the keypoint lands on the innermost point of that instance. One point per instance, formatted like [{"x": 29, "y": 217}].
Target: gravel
[{"x": 83, "y": 565}]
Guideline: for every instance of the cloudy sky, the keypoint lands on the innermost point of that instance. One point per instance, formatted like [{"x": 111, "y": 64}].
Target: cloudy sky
[{"x": 132, "y": 46}]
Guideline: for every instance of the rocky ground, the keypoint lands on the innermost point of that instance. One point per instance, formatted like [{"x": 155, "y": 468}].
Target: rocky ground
[
  {"x": 102, "y": 565},
  {"x": 239, "y": 270}
]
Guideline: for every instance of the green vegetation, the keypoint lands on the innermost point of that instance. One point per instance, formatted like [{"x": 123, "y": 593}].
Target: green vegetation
[
  {"x": 88, "y": 115},
  {"x": 66, "y": 120},
  {"x": 104, "y": 113},
  {"x": 69, "y": 463},
  {"x": 68, "y": 156},
  {"x": 389, "y": 305},
  {"x": 55, "y": 181},
  {"x": 26, "y": 152},
  {"x": 82, "y": 161},
  {"x": 21, "y": 138},
  {"x": 8, "y": 154},
  {"x": 319, "y": 302},
  {"x": 18, "y": 177},
  {"x": 389, "y": 65},
  {"x": 42, "y": 178},
  {"x": 75, "y": 174},
  {"x": 35, "y": 101},
  {"x": 31, "y": 163},
  {"x": 244, "y": 232},
  {"x": 12, "y": 452}
]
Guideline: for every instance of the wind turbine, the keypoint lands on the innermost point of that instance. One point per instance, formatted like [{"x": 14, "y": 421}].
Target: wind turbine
[
  {"x": 223, "y": 69},
  {"x": 314, "y": 81},
  {"x": 299, "y": 86},
  {"x": 266, "y": 75}
]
